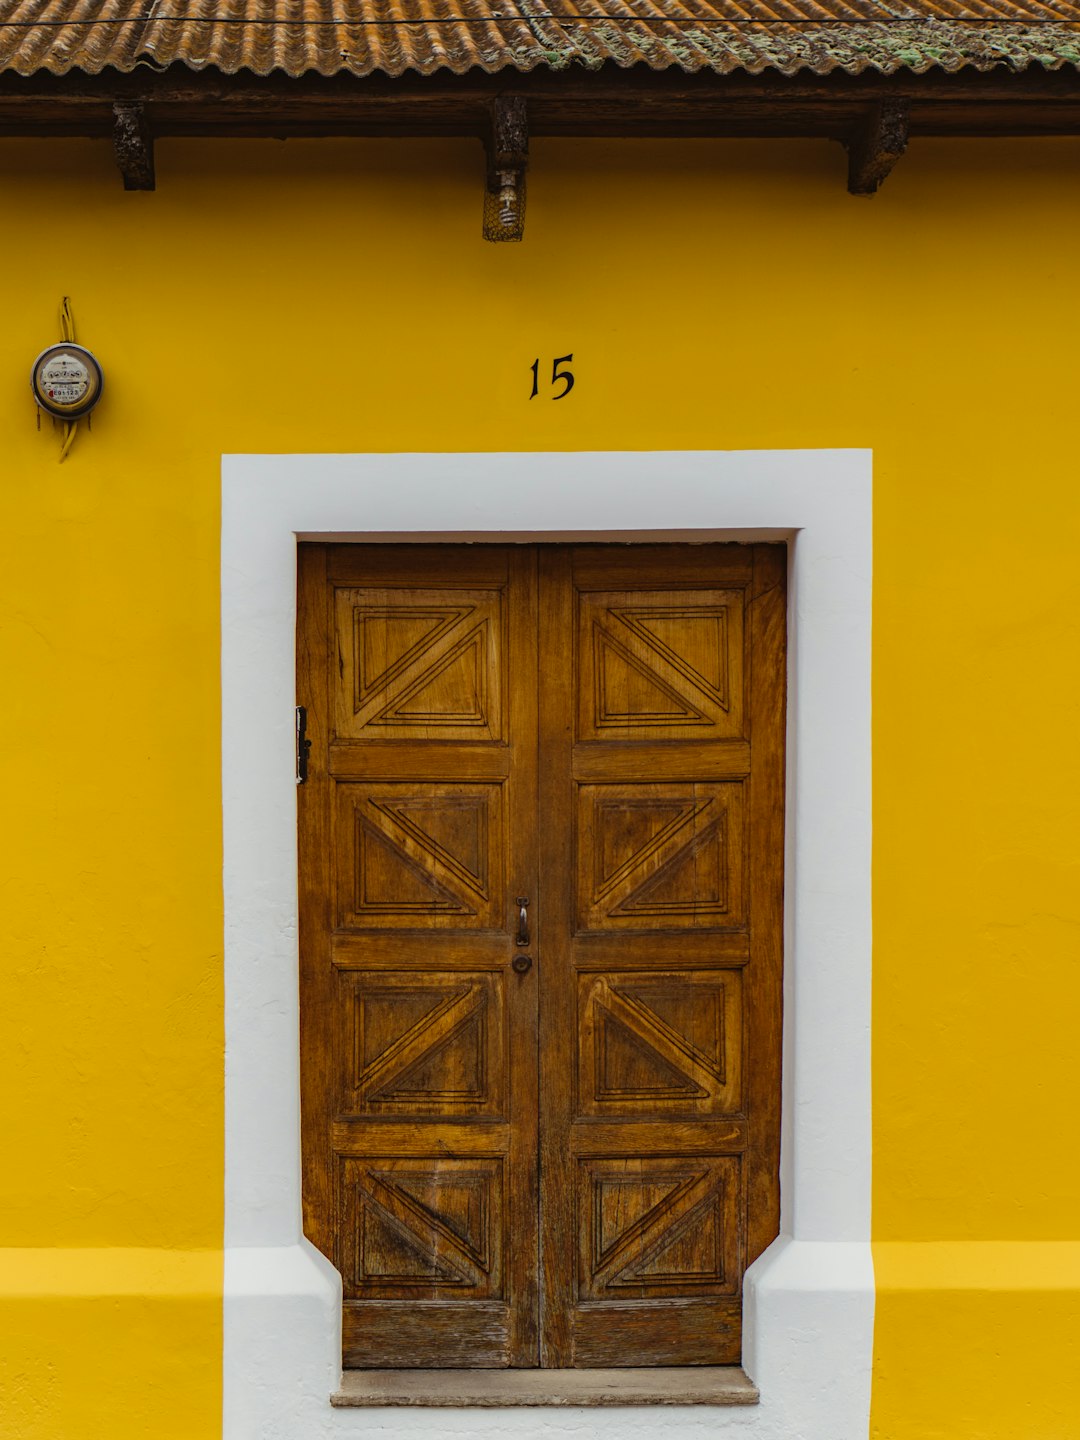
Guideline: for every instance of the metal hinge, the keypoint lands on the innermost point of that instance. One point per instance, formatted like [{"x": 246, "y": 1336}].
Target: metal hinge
[{"x": 303, "y": 745}]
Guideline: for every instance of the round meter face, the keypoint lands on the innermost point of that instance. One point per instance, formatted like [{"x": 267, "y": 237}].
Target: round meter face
[{"x": 66, "y": 381}]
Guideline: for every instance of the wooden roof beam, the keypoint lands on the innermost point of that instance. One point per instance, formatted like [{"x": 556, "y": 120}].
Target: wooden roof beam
[
  {"x": 507, "y": 147},
  {"x": 133, "y": 145},
  {"x": 878, "y": 145},
  {"x": 857, "y": 111}
]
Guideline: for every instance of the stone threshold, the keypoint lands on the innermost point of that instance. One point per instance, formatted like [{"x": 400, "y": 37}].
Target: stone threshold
[{"x": 685, "y": 1385}]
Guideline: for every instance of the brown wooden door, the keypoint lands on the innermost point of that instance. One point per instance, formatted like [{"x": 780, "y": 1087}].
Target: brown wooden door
[
  {"x": 570, "y": 1161},
  {"x": 661, "y": 874},
  {"x": 418, "y": 1041}
]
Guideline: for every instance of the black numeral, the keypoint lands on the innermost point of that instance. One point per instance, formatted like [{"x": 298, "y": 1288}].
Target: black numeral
[
  {"x": 566, "y": 375},
  {"x": 557, "y": 374}
]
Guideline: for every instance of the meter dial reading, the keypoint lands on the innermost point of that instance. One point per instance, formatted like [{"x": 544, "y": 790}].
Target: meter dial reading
[{"x": 67, "y": 381}]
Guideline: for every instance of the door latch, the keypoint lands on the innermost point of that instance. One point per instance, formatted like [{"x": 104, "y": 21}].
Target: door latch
[{"x": 303, "y": 745}]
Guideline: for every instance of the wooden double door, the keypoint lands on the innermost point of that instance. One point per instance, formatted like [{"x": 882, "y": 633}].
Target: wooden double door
[{"x": 541, "y": 888}]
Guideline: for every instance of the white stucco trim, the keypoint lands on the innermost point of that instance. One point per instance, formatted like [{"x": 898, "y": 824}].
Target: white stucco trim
[{"x": 810, "y": 1298}]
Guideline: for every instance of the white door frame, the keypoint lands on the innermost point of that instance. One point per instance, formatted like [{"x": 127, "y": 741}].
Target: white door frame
[{"x": 809, "y": 1300}]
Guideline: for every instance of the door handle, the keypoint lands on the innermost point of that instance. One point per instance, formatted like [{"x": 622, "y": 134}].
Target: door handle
[
  {"x": 523, "y": 921},
  {"x": 521, "y": 964}
]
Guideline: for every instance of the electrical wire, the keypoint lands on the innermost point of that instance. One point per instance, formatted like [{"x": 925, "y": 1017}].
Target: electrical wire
[{"x": 67, "y": 333}]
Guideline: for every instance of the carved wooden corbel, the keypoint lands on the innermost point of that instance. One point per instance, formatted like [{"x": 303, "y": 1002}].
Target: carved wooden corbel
[
  {"x": 507, "y": 159},
  {"x": 877, "y": 147},
  {"x": 133, "y": 145}
]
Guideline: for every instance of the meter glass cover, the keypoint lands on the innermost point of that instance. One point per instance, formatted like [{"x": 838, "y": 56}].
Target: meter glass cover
[{"x": 66, "y": 381}]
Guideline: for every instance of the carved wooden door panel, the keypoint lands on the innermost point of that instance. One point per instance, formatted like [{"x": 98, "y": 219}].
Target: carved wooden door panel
[
  {"x": 418, "y": 1039},
  {"x": 571, "y": 1165},
  {"x": 659, "y": 944}
]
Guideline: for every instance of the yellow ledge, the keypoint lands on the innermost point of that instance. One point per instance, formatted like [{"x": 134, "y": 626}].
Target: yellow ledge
[
  {"x": 41, "y": 1272},
  {"x": 977, "y": 1265},
  {"x": 957, "y": 1322},
  {"x": 110, "y": 1344}
]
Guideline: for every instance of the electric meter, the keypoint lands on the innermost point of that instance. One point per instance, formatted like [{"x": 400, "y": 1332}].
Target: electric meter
[{"x": 66, "y": 381}]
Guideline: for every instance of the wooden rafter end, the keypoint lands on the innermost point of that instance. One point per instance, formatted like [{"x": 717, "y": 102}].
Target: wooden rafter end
[
  {"x": 878, "y": 145},
  {"x": 507, "y": 146},
  {"x": 133, "y": 145}
]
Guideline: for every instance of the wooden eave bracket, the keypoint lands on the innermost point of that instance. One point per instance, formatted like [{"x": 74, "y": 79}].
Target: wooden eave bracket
[
  {"x": 507, "y": 145},
  {"x": 878, "y": 145},
  {"x": 133, "y": 145}
]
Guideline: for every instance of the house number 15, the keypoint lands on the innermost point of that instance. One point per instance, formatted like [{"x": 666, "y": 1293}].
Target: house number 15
[{"x": 557, "y": 375}]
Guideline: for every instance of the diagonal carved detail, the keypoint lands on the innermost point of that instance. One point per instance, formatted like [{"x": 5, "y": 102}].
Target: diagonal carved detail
[
  {"x": 670, "y": 632},
  {"x": 390, "y": 1250},
  {"x": 391, "y": 1018},
  {"x": 629, "y": 1247},
  {"x": 452, "y": 1068},
  {"x": 391, "y": 881},
  {"x": 440, "y": 822},
  {"x": 461, "y": 699},
  {"x": 422, "y": 1225},
  {"x": 640, "y": 827},
  {"x": 457, "y": 1208},
  {"x": 633, "y": 1066},
  {"x": 665, "y": 664},
  {"x": 660, "y": 1043},
  {"x": 418, "y": 663},
  {"x": 657, "y": 1226},
  {"x": 649, "y": 1002},
  {"x": 387, "y": 638},
  {"x": 624, "y": 1207},
  {"x": 424, "y": 855},
  {"x": 693, "y": 879},
  {"x": 661, "y": 856},
  {"x": 639, "y": 1002},
  {"x": 629, "y": 692},
  {"x": 689, "y": 1250},
  {"x": 407, "y": 1068}
]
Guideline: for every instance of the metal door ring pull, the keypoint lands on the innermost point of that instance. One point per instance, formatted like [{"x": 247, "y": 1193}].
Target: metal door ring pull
[{"x": 522, "y": 964}]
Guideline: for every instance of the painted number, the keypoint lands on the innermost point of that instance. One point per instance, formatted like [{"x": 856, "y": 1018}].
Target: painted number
[{"x": 558, "y": 374}]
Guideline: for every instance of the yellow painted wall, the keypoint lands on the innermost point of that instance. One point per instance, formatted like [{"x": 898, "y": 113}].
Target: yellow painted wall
[{"x": 715, "y": 295}]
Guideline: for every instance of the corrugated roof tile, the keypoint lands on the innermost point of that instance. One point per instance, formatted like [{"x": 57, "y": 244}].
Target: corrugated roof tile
[{"x": 395, "y": 37}]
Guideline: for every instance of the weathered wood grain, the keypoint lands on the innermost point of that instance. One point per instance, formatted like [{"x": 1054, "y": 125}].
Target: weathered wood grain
[{"x": 567, "y": 1161}]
